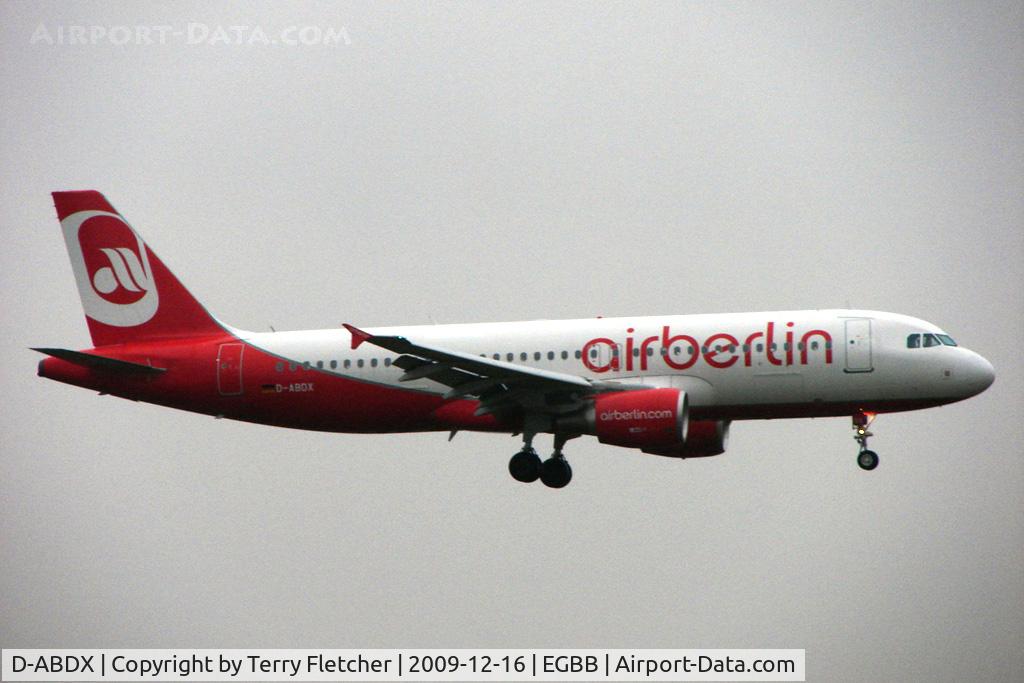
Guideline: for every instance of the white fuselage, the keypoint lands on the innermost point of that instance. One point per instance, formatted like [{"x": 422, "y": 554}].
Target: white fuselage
[{"x": 736, "y": 364}]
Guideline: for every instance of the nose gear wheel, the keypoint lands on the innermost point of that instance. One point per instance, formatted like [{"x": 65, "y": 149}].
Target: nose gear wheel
[{"x": 867, "y": 459}]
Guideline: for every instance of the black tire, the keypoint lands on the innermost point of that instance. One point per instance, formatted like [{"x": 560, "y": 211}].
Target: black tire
[
  {"x": 556, "y": 473},
  {"x": 867, "y": 460},
  {"x": 525, "y": 466}
]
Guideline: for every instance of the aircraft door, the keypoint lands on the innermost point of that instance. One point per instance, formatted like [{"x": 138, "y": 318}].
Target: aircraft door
[
  {"x": 229, "y": 369},
  {"x": 858, "y": 345}
]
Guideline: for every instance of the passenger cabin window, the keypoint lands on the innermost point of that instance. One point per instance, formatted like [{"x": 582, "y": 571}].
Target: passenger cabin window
[
  {"x": 931, "y": 340},
  {"x": 946, "y": 339},
  {"x": 914, "y": 341}
]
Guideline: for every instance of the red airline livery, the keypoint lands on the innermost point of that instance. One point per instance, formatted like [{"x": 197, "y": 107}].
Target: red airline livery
[{"x": 666, "y": 385}]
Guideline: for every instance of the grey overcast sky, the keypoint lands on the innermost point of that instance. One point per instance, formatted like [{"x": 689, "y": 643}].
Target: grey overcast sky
[{"x": 470, "y": 162}]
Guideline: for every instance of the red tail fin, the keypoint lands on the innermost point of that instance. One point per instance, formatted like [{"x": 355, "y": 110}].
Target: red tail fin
[{"x": 127, "y": 292}]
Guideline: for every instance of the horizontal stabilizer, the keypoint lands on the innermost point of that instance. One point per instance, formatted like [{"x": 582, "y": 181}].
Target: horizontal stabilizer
[{"x": 91, "y": 360}]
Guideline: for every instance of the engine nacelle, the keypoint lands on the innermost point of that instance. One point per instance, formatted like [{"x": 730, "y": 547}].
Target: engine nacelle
[
  {"x": 654, "y": 420},
  {"x": 704, "y": 438},
  {"x": 648, "y": 418}
]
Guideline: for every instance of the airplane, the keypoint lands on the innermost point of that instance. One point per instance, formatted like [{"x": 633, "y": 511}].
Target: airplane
[{"x": 664, "y": 385}]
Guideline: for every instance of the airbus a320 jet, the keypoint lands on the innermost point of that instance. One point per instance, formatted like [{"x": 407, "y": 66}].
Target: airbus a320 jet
[{"x": 664, "y": 385}]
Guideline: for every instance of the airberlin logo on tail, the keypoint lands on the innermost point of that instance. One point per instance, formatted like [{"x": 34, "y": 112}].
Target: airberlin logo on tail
[
  {"x": 124, "y": 281},
  {"x": 111, "y": 268}
]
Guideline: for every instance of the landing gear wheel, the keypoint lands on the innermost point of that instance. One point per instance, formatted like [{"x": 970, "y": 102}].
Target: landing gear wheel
[
  {"x": 556, "y": 473},
  {"x": 525, "y": 466},
  {"x": 868, "y": 460}
]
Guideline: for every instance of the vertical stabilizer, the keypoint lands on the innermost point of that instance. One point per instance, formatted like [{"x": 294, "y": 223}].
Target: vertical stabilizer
[{"x": 127, "y": 292}]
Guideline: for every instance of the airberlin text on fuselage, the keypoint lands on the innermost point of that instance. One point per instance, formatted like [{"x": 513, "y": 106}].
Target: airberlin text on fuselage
[{"x": 720, "y": 350}]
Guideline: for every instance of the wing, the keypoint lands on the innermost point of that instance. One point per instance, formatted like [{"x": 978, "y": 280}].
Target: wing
[{"x": 498, "y": 385}]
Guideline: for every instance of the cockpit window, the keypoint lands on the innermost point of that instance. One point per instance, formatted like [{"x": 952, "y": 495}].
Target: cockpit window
[
  {"x": 931, "y": 340},
  {"x": 946, "y": 339},
  {"x": 914, "y": 341}
]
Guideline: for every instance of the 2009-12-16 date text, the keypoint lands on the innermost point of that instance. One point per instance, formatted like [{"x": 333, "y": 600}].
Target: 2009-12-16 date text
[{"x": 482, "y": 664}]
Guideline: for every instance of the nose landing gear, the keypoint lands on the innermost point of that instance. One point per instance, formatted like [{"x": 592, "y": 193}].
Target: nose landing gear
[{"x": 866, "y": 458}]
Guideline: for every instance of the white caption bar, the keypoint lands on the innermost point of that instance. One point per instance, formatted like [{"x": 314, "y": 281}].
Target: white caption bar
[{"x": 403, "y": 665}]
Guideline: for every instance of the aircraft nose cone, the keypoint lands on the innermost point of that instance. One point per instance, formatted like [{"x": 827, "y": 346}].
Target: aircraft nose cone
[{"x": 980, "y": 374}]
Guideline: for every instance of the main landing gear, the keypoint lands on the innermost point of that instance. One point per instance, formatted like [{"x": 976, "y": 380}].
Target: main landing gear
[
  {"x": 526, "y": 465},
  {"x": 866, "y": 458}
]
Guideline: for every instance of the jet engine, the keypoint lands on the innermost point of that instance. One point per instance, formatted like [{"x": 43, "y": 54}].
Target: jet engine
[
  {"x": 654, "y": 420},
  {"x": 646, "y": 418}
]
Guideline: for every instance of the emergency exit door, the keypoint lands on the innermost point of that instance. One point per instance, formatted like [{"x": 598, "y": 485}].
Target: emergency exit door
[
  {"x": 858, "y": 345},
  {"x": 229, "y": 369}
]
